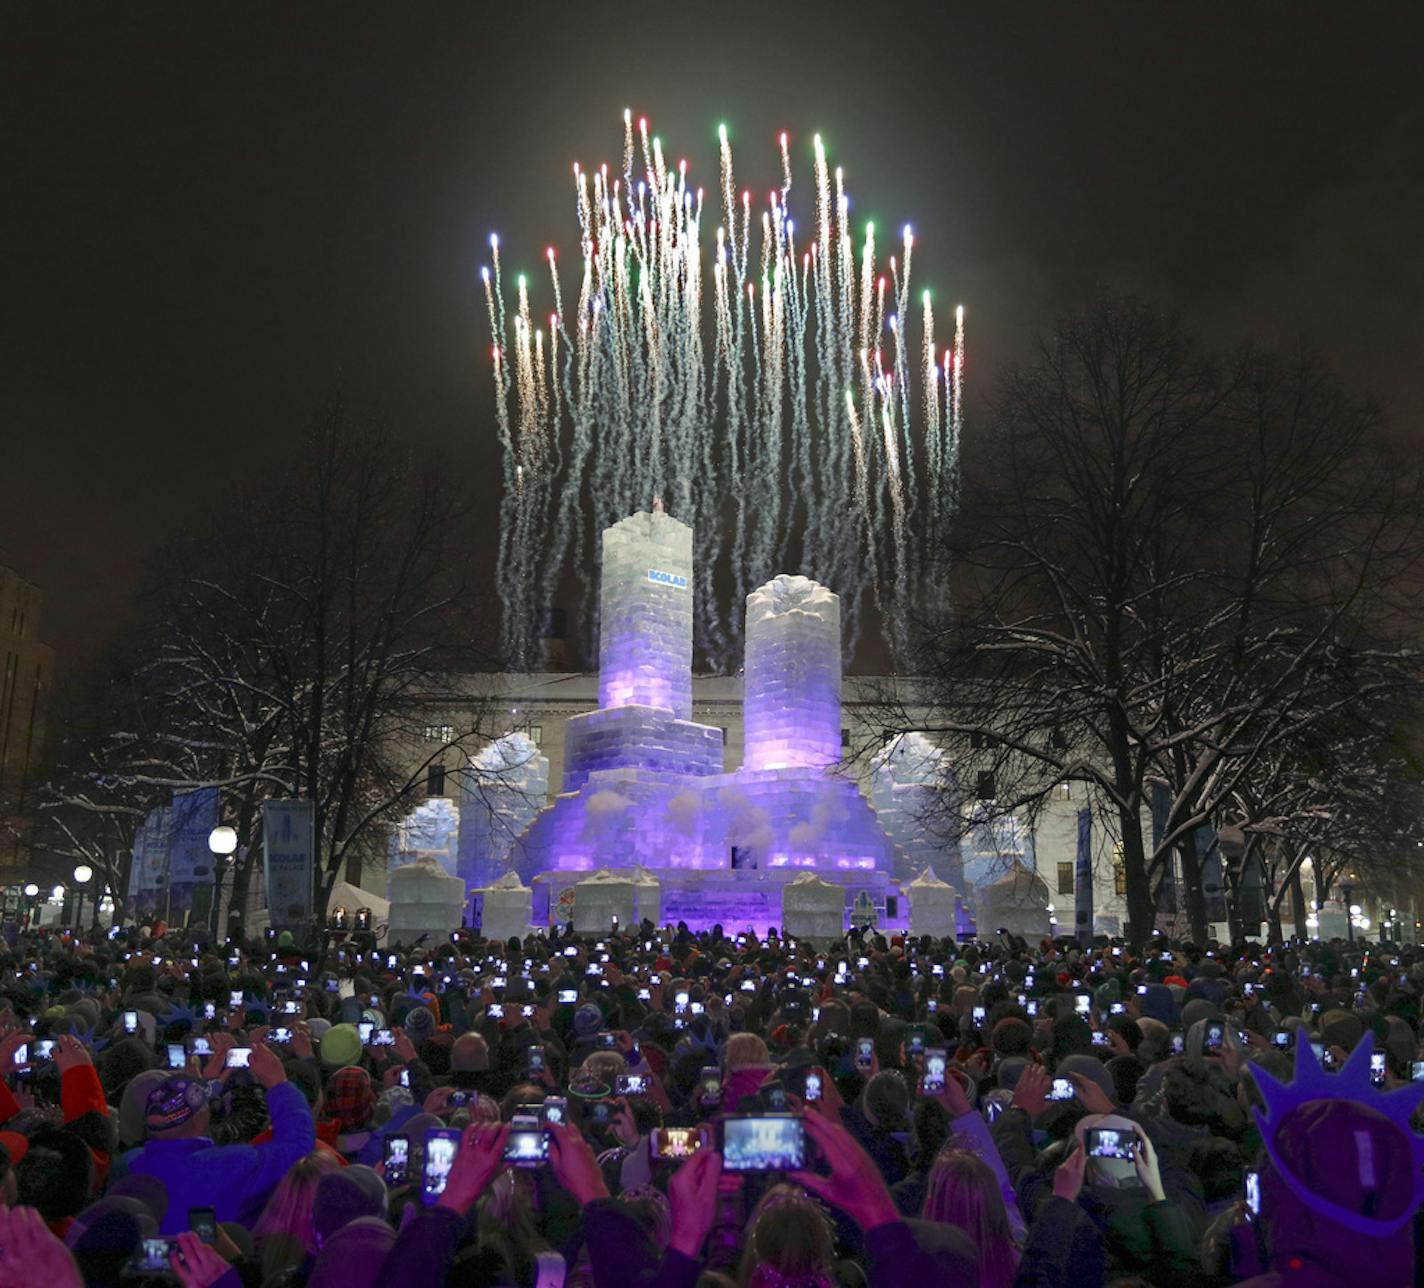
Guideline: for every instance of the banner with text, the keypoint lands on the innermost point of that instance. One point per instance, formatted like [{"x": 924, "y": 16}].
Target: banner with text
[{"x": 287, "y": 861}]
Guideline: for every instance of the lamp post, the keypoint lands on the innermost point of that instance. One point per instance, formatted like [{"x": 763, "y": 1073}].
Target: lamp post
[
  {"x": 82, "y": 874},
  {"x": 32, "y": 892},
  {"x": 222, "y": 843}
]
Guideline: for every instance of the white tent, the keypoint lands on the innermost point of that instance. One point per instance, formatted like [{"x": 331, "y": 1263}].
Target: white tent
[{"x": 345, "y": 895}]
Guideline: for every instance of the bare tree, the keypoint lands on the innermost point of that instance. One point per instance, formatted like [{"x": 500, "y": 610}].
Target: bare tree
[{"x": 1164, "y": 567}]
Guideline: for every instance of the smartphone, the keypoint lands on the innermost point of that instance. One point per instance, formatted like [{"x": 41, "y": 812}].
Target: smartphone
[
  {"x": 646, "y": 995},
  {"x": 814, "y": 1086},
  {"x": 774, "y": 1094},
  {"x": 177, "y": 1056},
  {"x": 200, "y": 1045},
  {"x": 1031, "y": 1008},
  {"x": 1100, "y": 1038},
  {"x": 234, "y": 999},
  {"x": 864, "y": 1052},
  {"x": 1215, "y": 1036},
  {"x": 763, "y": 1143},
  {"x": 526, "y": 1147},
  {"x": 1281, "y": 1038},
  {"x": 680, "y": 999},
  {"x": 1377, "y": 1068},
  {"x": 601, "y": 1112},
  {"x": 555, "y": 1109},
  {"x": 632, "y": 1084},
  {"x": 22, "y": 1053},
  {"x": 203, "y": 1222},
  {"x": 932, "y": 1006},
  {"x": 535, "y": 1055},
  {"x": 607, "y": 1040},
  {"x": 238, "y": 1058},
  {"x": 130, "y": 1021},
  {"x": 151, "y": 1257},
  {"x": 1117, "y": 1008},
  {"x": 365, "y": 1028},
  {"x": 992, "y": 1109},
  {"x": 1082, "y": 1004},
  {"x": 568, "y": 996},
  {"x": 709, "y": 1085},
  {"x": 333, "y": 986},
  {"x": 441, "y": 1143},
  {"x": 1417, "y": 1073},
  {"x": 1253, "y": 1193},
  {"x": 383, "y": 1038},
  {"x": 291, "y": 1007},
  {"x": 1109, "y": 1142},
  {"x": 210, "y": 1010},
  {"x": 281, "y": 1035},
  {"x": 403, "y": 1077},
  {"x": 936, "y": 1061},
  {"x": 916, "y": 1045},
  {"x": 676, "y": 1142},
  {"x": 1062, "y": 1089},
  {"x": 1179, "y": 1044}
]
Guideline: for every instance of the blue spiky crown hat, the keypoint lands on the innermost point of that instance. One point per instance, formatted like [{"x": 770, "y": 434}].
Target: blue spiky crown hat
[{"x": 1352, "y": 1083}]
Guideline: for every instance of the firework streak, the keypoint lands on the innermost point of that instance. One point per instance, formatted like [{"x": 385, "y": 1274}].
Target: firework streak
[{"x": 759, "y": 386}]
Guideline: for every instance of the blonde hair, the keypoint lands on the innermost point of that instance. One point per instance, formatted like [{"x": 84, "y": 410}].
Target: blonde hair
[
  {"x": 745, "y": 1051},
  {"x": 284, "y": 1234},
  {"x": 963, "y": 1191},
  {"x": 790, "y": 1234}
]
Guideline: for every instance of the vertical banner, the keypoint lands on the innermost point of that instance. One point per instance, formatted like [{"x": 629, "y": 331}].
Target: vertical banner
[
  {"x": 287, "y": 861},
  {"x": 1083, "y": 878}
]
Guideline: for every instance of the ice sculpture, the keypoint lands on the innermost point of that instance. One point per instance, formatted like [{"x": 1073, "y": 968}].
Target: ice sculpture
[
  {"x": 506, "y": 909},
  {"x": 604, "y": 900},
  {"x": 644, "y": 786},
  {"x": 425, "y": 900},
  {"x": 793, "y": 675},
  {"x": 430, "y": 831},
  {"x": 645, "y": 614},
  {"x": 505, "y": 784},
  {"x": 915, "y": 795},
  {"x": 813, "y": 909},
  {"x": 933, "y": 906}
]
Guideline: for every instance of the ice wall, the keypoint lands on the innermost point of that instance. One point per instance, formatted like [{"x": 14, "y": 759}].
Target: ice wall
[
  {"x": 793, "y": 675},
  {"x": 502, "y": 789},
  {"x": 916, "y": 797},
  {"x": 429, "y": 831},
  {"x": 645, "y": 614}
]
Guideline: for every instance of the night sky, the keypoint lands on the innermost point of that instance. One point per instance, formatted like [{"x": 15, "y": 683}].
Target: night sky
[{"x": 217, "y": 216}]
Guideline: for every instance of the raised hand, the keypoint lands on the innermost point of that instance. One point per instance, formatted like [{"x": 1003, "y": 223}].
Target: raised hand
[
  {"x": 1031, "y": 1091},
  {"x": 1144, "y": 1158},
  {"x": 195, "y": 1264},
  {"x": 692, "y": 1190},
  {"x": 854, "y": 1185},
  {"x": 1091, "y": 1096},
  {"x": 478, "y": 1161},
  {"x": 266, "y": 1067},
  {"x": 1068, "y": 1177},
  {"x": 70, "y": 1053},
  {"x": 30, "y": 1254},
  {"x": 575, "y": 1165}
]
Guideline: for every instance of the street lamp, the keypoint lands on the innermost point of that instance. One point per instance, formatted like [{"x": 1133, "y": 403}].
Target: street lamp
[
  {"x": 32, "y": 891},
  {"x": 82, "y": 874},
  {"x": 222, "y": 842}
]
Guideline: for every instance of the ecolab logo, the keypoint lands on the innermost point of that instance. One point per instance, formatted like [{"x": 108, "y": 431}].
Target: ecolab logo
[{"x": 667, "y": 579}]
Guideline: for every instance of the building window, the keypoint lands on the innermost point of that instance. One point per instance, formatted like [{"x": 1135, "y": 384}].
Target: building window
[
  {"x": 1063, "y": 792},
  {"x": 1119, "y": 872},
  {"x": 536, "y": 735},
  {"x": 1065, "y": 878},
  {"x": 439, "y": 733},
  {"x": 845, "y": 739},
  {"x": 435, "y": 781},
  {"x": 984, "y": 785}
]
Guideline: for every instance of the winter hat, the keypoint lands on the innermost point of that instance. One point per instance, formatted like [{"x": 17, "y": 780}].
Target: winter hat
[
  {"x": 350, "y": 1099},
  {"x": 318, "y": 1027},
  {"x": 419, "y": 1024},
  {"x": 354, "y": 1256},
  {"x": 1091, "y": 1068},
  {"x": 173, "y": 1102},
  {"x": 1159, "y": 1004},
  {"x": 588, "y": 1019},
  {"x": 134, "y": 1104},
  {"x": 340, "y": 1045},
  {"x": 285, "y": 940},
  {"x": 344, "y": 1196},
  {"x": 1011, "y": 1070}
]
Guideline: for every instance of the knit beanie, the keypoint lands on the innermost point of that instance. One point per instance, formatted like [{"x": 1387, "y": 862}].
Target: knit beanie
[{"x": 340, "y": 1045}]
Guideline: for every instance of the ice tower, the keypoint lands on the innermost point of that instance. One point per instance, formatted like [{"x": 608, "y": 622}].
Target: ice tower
[
  {"x": 645, "y": 786},
  {"x": 793, "y": 675}
]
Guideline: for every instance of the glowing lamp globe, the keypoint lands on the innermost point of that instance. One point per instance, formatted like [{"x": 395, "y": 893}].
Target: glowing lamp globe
[
  {"x": 57, "y": 894},
  {"x": 222, "y": 840},
  {"x": 82, "y": 873},
  {"x": 31, "y": 890}
]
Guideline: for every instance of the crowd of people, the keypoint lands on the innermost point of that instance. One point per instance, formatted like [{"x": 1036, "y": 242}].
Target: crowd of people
[{"x": 672, "y": 1109}]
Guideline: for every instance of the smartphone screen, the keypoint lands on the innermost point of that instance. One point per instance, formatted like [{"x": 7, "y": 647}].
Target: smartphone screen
[
  {"x": 1253, "y": 1193},
  {"x": 239, "y": 1058},
  {"x": 202, "y": 1221},
  {"x": 775, "y": 1143},
  {"x": 177, "y": 1056},
  {"x": 130, "y": 1021},
  {"x": 441, "y": 1143},
  {"x": 936, "y": 1060},
  {"x": 813, "y": 1086},
  {"x": 1377, "y": 1068},
  {"x": 864, "y": 1052},
  {"x": 709, "y": 1084},
  {"x": 395, "y": 1159},
  {"x": 1109, "y": 1142}
]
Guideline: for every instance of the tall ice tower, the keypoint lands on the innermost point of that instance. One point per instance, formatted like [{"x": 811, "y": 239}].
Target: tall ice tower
[{"x": 645, "y": 614}]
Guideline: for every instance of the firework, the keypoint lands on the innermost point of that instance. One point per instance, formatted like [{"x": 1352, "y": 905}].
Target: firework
[{"x": 743, "y": 407}]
